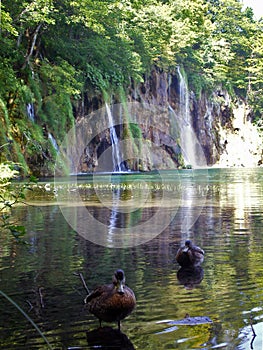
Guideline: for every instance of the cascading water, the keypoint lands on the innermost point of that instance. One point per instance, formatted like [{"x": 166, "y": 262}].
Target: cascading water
[
  {"x": 185, "y": 123},
  {"x": 184, "y": 98},
  {"x": 208, "y": 115},
  {"x": 53, "y": 141},
  {"x": 192, "y": 152},
  {"x": 30, "y": 112},
  {"x": 116, "y": 152}
]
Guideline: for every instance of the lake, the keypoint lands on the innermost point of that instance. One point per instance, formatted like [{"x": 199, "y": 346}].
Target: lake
[{"x": 93, "y": 225}]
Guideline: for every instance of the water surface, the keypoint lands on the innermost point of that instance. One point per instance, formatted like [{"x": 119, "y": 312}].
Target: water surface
[{"x": 220, "y": 210}]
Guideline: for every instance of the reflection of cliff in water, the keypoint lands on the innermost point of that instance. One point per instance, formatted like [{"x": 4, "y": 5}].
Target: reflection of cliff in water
[
  {"x": 118, "y": 213},
  {"x": 108, "y": 338}
]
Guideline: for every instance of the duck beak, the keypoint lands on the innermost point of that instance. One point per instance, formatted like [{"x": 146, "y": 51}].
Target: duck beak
[{"x": 120, "y": 288}]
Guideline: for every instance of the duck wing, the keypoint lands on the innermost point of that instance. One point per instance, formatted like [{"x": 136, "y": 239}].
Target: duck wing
[
  {"x": 97, "y": 292},
  {"x": 183, "y": 257},
  {"x": 198, "y": 250}
]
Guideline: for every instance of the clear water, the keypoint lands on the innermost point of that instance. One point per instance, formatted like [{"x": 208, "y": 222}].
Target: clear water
[{"x": 220, "y": 210}]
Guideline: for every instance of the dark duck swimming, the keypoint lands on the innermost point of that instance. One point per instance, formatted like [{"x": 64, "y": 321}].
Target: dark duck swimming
[
  {"x": 112, "y": 302},
  {"x": 190, "y": 255}
]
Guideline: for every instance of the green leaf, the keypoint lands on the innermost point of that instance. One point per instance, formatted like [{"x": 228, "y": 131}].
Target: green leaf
[{"x": 17, "y": 230}]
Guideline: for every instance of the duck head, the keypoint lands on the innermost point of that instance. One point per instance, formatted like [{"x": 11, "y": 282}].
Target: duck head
[
  {"x": 119, "y": 281},
  {"x": 187, "y": 245}
]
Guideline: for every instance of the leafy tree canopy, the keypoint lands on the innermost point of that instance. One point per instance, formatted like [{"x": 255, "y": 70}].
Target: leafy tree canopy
[{"x": 54, "y": 51}]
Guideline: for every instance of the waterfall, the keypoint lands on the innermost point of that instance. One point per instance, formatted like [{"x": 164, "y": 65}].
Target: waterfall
[
  {"x": 208, "y": 115},
  {"x": 184, "y": 109},
  {"x": 118, "y": 165},
  {"x": 53, "y": 141},
  {"x": 186, "y": 131},
  {"x": 30, "y": 112}
]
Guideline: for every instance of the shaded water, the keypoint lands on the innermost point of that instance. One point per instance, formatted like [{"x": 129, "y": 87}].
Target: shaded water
[{"x": 225, "y": 209}]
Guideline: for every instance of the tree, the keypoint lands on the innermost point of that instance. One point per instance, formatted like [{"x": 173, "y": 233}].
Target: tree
[
  {"x": 55, "y": 52},
  {"x": 255, "y": 74}
]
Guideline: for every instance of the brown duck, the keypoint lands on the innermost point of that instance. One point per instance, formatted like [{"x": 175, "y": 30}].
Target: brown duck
[
  {"x": 189, "y": 255},
  {"x": 112, "y": 302}
]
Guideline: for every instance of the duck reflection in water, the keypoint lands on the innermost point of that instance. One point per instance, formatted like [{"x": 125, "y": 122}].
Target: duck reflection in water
[
  {"x": 189, "y": 255},
  {"x": 191, "y": 276},
  {"x": 109, "y": 338},
  {"x": 112, "y": 302}
]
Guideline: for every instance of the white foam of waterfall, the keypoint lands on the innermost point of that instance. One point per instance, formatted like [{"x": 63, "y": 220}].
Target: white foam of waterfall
[
  {"x": 186, "y": 131},
  {"x": 116, "y": 152},
  {"x": 208, "y": 115},
  {"x": 184, "y": 98},
  {"x": 53, "y": 141},
  {"x": 30, "y": 111}
]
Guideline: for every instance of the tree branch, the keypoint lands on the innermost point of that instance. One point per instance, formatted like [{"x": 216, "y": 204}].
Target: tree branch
[
  {"x": 33, "y": 42},
  {"x": 254, "y": 333},
  {"x": 83, "y": 281}
]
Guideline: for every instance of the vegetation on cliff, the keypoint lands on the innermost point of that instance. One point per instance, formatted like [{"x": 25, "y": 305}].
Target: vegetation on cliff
[{"x": 56, "y": 55}]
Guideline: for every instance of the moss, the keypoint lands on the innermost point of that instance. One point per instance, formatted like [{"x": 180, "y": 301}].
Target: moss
[
  {"x": 5, "y": 136},
  {"x": 19, "y": 159},
  {"x": 136, "y": 131},
  {"x": 35, "y": 87},
  {"x": 57, "y": 113}
]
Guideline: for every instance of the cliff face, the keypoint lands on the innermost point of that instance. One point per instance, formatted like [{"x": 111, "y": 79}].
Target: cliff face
[
  {"x": 135, "y": 135},
  {"x": 162, "y": 126},
  {"x": 227, "y": 134}
]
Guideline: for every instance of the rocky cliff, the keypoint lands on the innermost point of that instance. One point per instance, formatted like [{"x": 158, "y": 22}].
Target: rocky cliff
[{"x": 163, "y": 125}]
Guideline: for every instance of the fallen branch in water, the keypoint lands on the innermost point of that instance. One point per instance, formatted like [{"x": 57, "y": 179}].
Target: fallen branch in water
[
  {"x": 254, "y": 333},
  {"x": 30, "y": 305},
  {"x": 83, "y": 281},
  {"x": 41, "y": 297}
]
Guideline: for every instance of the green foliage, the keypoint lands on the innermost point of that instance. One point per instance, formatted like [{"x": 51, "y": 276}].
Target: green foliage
[
  {"x": 231, "y": 36},
  {"x": 10, "y": 195},
  {"x": 255, "y": 73},
  {"x": 60, "y": 78},
  {"x": 7, "y": 172},
  {"x": 135, "y": 131},
  {"x": 104, "y": 44},
  {"x": 59, "y": 85},
  {"x": 55, "y": 52},
  {"x": 4, "y": 130},
  {"x": 58, "y": 114},
  {"x": 6, "y": 21}
]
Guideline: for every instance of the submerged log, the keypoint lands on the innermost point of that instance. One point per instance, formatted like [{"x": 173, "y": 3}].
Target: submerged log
[{"x": 189, "y": 321}]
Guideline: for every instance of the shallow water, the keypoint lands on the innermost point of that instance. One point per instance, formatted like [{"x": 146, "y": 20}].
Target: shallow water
[{"x": 220, "y": 210}]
